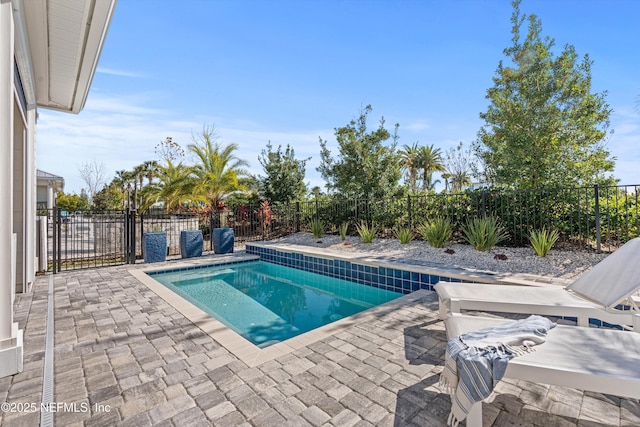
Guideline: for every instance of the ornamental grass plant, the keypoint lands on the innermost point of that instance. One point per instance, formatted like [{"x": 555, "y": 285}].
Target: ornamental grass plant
[
  {"x": 317, "y": 228},
  {"x": 543, "y": 240},
  {"x": 484, "y": 233},
  {"x": 404, "y": 235},
  {"x": 343, "y": 230},
  {"x": 436, "y": 231},
  {"x": 367, "y": 233}
]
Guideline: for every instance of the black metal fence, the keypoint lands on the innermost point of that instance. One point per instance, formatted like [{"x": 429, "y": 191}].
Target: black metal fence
[
  {"x": 600, "y": 218},
  {"x": 85, "y": 239}
]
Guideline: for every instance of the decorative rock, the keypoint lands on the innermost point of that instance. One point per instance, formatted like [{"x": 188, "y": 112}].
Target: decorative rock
[{"x": 559, "y": 263}]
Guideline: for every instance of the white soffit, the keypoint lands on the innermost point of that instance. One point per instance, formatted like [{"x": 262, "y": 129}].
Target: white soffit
[{"x": 65, "y": 39}]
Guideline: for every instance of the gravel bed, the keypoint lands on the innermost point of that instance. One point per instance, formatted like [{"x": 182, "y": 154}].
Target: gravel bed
[{"x": 558, "y": 263}]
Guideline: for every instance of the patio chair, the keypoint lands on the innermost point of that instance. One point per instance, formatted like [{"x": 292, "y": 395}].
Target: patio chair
[
  {"x": 590, "y": 359},
  {"x": 596, "y": 294}
]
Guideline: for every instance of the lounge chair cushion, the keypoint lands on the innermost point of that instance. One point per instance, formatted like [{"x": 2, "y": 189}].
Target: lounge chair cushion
[{"x": 614, "y": 279}]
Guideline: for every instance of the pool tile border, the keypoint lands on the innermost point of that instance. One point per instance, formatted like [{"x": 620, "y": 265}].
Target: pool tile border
[
  {"x": 389, "y": 276},
  {"x": 383, "y": 275}
]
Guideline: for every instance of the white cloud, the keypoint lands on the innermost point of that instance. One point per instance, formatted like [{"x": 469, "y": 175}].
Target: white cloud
[
  {"x": 121, "y": 73},
  {"x": 122, "y": 133},
  {"x": 416, "y": 126},
  {"x": 625, "y": 144}
]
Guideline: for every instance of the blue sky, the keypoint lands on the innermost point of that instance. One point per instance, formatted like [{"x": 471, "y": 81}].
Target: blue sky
[{"x": 290, "y": 72}]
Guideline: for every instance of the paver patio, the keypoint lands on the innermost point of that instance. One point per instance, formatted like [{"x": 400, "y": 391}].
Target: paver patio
[{"x": 124, "y": 356}]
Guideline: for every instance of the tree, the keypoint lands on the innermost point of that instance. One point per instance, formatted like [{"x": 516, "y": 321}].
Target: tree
[
  {"x": 284, "y": 175},
  {"x": 459, "y": 165},
  {"x": 543, "y": 126},
  {"x": 94, "y": 175},
  {"x": 409, "y": 162},
  {"x": 109, "y": 198},
  {"x": 173, "y": 187},
  {"x": 365, "y": 168},
  {"x": 169, "y": 150},
  {"x": 149, "y": 170},
  {"x": 124, "y": 182},
  {"x": 72, "y": 202},
  {"x": 316, "y": 192},
  {"x": 218, "y": 171},
  {"x": 430, "y": 161}
]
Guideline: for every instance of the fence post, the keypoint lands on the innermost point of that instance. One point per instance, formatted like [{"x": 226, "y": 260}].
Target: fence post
[
  {"x": 596, "y": 193},
  {"x": 263, "y": 222},
  {"x": 141, "y": 234},
  {"x": 130, "y": 236},
  {"x": 409, "y": 209},
  {"x": 297, "y": 217},
  {"x": 317, "y": 213},
  {"x": 127, "y": 239},
  {"x": 56, "y": 236},
  {"x": 484, "y": 211},
  {"x": 211, "y": 230},
  {"x": 59, "y": 245},
  {"x": 133, "y": 234}
]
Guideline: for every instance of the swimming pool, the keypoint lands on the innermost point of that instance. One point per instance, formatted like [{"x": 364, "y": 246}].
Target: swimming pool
[{"x": 268, "y": 303}]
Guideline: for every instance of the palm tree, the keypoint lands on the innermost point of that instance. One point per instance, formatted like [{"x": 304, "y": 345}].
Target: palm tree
[
  {"x": 144, "y": 170},
  {"x": 446, "y": 176},
  {"x": 219, "y": 171},
  {"x": 174, "y": 187},
  {"x": 430, "y": 161},
  {"x": 409, "y": 162},
  {"x": 459, "y": 181},
  {"x": 138, "y": 180},
  {"x": 150, "y": 168},
  {"x": 123, "y": 180}
]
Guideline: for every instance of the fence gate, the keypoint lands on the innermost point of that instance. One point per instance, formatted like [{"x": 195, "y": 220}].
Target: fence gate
[{"x": 86, "y": 239}]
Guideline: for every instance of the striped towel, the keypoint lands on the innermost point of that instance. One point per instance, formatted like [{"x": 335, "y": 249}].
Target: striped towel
[{"x": 475, "y": 362}]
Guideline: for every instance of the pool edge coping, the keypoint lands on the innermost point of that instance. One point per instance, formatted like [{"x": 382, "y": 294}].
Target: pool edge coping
[{"x": 253, "y": 355}]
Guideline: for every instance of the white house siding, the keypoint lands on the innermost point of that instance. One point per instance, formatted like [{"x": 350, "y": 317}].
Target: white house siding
[{"x": 10, "y": 336}]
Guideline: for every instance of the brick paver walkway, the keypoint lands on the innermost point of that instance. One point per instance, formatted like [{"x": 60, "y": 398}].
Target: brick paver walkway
[{"x": 123, "y": 356}]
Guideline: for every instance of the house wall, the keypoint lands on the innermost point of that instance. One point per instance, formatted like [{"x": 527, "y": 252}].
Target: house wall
[
  {"x": 10, "y": 335},
  {"x": 19, "y": 223},
  {"x": 42, "y": 194},
  {"x": 30, "y": 200}
]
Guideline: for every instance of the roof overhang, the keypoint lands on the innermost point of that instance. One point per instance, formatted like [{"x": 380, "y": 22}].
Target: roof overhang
[{"x": 58, "y": 45}]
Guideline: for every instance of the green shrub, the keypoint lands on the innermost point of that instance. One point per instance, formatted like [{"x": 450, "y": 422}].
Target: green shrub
[
  {"x": 437, "y": 232},
  {"x": 484, "y": 233},
  {"x": 343, "y": 230},
  {"x": 367, "y": 234},
  {"x": 405, "y": 235},
  {"x": 317, "y": 228},
  {"x": 542, "y": 240}
]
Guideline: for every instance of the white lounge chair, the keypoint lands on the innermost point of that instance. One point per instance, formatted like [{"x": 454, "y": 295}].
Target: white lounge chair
[
  {"x": 594, "y": 295},
  {"x": 591, "y": 359}
]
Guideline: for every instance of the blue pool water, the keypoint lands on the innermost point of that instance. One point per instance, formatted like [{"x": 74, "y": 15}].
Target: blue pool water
[{"x": 268, "y": 303}]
